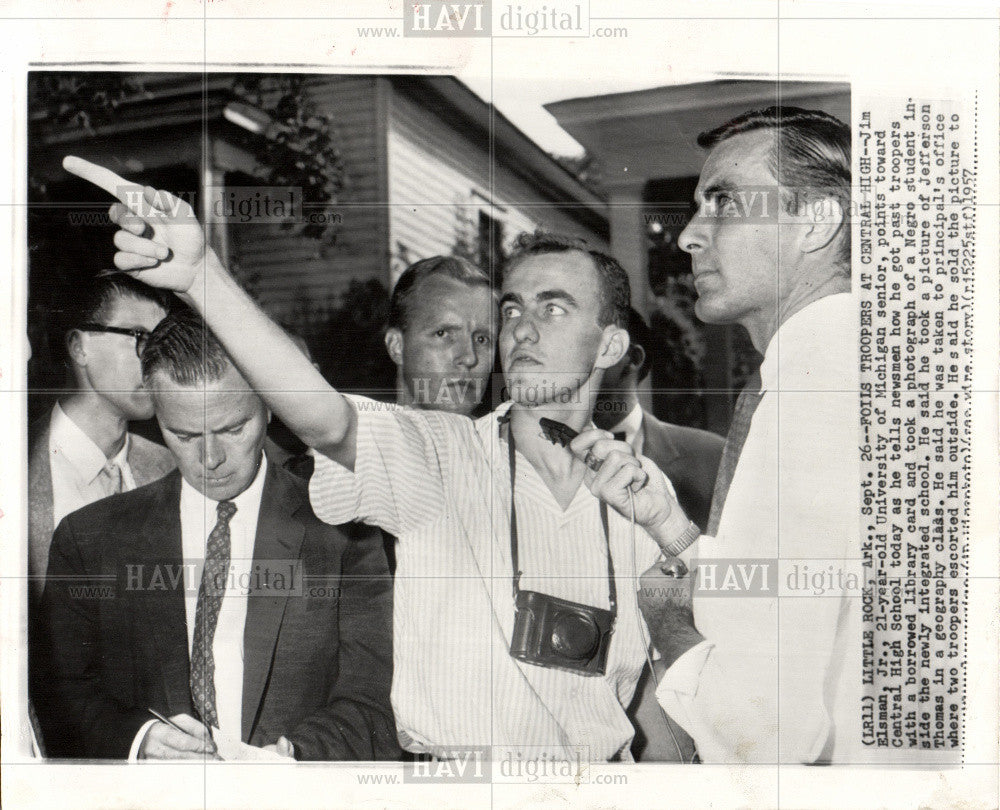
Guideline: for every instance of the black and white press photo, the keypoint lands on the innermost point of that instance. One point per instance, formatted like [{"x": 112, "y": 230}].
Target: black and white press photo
[{"x": 500, "y": 404}]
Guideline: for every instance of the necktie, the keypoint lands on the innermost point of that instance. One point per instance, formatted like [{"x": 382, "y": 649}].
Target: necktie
[
  {"x": 747, "y": 403},
  {"x": 206, "y": 617},
  {"x": 620, "y": 435},
  {"x": 111, "y": 478}
]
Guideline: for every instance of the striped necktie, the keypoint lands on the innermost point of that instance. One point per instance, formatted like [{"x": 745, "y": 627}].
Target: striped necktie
[
  {"x": 206, "y": 617},
  {"x": 747, "y": 403}
]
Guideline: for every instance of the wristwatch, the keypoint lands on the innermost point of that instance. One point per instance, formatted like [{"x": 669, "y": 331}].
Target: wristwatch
[{"x": 688, "y": 536}]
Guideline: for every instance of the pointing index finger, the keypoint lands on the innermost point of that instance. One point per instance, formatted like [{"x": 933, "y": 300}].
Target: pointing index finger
[{"x": 101, "y": 177}]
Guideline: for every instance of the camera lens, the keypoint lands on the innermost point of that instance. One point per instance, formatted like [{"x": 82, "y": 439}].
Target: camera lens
[{"x": 575, "y": 636}]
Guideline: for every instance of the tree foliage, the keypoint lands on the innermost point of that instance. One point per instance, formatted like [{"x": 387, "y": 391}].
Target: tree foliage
[{"x": 298, "y": 148}]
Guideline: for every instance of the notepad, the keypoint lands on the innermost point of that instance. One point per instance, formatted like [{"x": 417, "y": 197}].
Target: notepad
[{"x": 233, "y": 749}]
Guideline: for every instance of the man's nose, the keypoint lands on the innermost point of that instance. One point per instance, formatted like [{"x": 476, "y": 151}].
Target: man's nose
[
  {"x": 213, "y": 454},
  {"x": 466, "y": 354},
  {"x": 525, "y": 329},
  {"x": 692, "y": 238}
]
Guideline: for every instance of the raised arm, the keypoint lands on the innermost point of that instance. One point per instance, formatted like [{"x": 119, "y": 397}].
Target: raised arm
[{"x": 162, "y": 244}]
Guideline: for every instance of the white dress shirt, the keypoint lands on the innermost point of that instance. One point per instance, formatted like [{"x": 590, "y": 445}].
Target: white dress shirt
[
  {"x": 631, "y": 426},
  {"x": 198, "y": 518},
  {"x": 441, "y": 484},
  {"x": 76, "y": 463},
  {"x": 779, "y": 679}
]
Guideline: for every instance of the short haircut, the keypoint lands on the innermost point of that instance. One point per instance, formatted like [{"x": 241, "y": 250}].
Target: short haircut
[
  {"x": 614, "y": 294},
  {"x": 93, "y": 301},
  {"x": 184, "y": 348},
  {"x": 641, "y": 335},
  {"x": 811, "y": 155},
  {"x": 409, "y": 282}
]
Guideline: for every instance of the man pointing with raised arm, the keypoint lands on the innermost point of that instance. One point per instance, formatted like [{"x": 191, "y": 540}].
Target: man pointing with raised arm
[{"x": 489, "y": 514}]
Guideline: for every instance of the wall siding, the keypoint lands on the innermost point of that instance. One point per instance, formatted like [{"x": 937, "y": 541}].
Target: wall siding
[
  {"x": 439, "y": 175},
  {"x": 288, "y": 272}
]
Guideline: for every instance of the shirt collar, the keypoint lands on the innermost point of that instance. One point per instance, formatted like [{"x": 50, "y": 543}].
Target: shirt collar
[
  {"x": 68, "y": 440},
  {"x": 810, "y": 331},
  {"x": 631, "y": 424},
  {"x": 488, "y": 427}
]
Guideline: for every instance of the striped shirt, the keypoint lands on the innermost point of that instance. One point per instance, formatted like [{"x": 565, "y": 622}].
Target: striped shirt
[{"x": 441, "y": 484}]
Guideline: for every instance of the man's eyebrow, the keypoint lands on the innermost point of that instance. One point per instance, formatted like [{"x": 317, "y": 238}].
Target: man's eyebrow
[
  {"x": 717, "y": 187},
  {"x": 444, "y": 323},
  {"x": 233, "y": 425},
  {"x": 509, "y": 296},
  {"x": 563, "y": 295},
  {"x": 181, "y": 432}
]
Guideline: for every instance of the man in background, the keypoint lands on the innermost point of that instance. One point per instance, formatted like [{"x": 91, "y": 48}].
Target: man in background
[
  {"x": 689, "y": 457},
  {"x": 441, "y": 334},
  {"x": 82, "y": 451}
]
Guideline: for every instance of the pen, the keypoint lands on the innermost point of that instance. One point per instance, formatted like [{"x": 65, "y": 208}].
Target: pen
[{"x": 172, "y": 724}]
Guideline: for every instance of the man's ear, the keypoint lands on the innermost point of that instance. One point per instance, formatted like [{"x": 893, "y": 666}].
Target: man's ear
[
  {"x": 636, "y": 356},
  {"x": 394, "y": 345},
  {"x": 614, "y": 345},
  {"x": 75, "y": 348},
  {"x": 822, "y": 220}
]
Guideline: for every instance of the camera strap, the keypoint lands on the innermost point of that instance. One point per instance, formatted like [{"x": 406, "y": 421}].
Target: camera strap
[{"x": 612, "y": 589}]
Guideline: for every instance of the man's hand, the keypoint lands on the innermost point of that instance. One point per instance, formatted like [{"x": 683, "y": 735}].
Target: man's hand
[
  {"x": 163, "y": 742},
  {"x": 160, "y": 235},
  {"x": 161, "y": 243},
  {"x": 282, "y": 747},
  {"x": 665, "y": 602},
  {"x": 656, "y": 509}
]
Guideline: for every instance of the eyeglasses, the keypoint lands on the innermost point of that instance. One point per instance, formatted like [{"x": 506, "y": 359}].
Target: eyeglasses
[{"x": 140, "y": 335}]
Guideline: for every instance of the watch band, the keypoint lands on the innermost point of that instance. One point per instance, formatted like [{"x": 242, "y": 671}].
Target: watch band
[{"x": 689, "y": 535}]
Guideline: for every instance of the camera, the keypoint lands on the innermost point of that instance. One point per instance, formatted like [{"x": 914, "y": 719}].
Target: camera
[{"x": 559, "y": 634}]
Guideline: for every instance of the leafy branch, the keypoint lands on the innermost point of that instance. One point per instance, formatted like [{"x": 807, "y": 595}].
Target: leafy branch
[{"x": 297, "y": 148}]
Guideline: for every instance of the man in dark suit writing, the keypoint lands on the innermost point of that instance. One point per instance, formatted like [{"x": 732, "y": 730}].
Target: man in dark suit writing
[{"x": 232, "y": 605}]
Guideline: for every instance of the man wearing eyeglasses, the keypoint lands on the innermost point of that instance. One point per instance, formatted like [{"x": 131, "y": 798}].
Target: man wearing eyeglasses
[{"x": 83, "y": 451}]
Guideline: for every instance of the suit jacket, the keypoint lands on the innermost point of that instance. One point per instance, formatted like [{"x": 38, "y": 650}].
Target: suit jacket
[
  {"x": 148, "y": 461},
  {"x": 317, "y": 666},
  {"x": 690, "y": 459}
]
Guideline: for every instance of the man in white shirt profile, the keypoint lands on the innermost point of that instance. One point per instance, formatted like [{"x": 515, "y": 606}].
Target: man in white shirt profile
[
  {"x": 83, "y": 451},
  {"x": 768, "y": 674}
]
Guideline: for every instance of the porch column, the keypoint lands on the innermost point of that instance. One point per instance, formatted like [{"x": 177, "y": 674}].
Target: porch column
[
  {"x": 630, "y": 246},
  {"x": 629, "y": 243}
]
